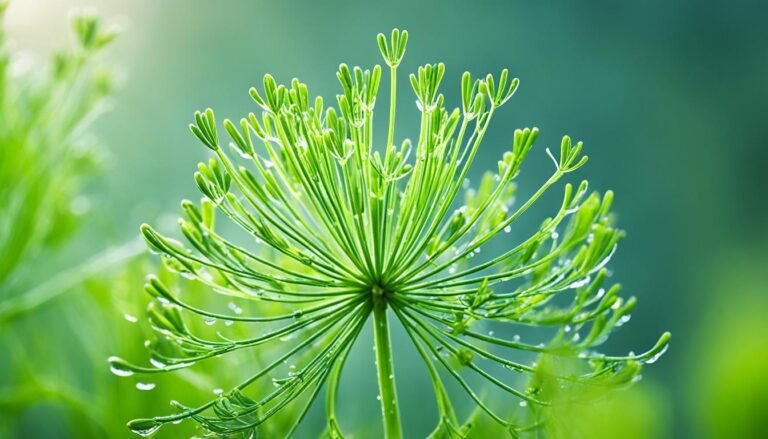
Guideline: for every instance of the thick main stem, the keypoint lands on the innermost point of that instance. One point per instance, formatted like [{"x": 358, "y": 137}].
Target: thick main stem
[{"x": 385, "y": 368}]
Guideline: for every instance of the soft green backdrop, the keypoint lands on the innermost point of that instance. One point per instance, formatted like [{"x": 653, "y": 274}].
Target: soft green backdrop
[{"x": 669, "y": 97}]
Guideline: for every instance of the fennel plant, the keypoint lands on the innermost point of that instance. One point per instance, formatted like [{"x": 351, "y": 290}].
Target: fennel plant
[{"x": 343, "y": 230}]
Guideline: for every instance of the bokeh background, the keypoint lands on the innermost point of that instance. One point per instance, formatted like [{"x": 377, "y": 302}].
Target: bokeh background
[{"x": 669, "y": 97}]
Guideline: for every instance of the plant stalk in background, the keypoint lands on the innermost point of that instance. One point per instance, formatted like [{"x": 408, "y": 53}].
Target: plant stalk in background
[{"x": 342, "y": 230}]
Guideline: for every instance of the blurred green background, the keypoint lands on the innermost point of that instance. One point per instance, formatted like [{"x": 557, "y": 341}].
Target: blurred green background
[{"x": 669, "y": 97}]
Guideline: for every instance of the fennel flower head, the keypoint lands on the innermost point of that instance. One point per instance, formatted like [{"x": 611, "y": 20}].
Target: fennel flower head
[{"x": 327, "y": 226}]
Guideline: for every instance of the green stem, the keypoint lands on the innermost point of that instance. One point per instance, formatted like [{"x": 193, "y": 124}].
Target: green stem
[
  {"x": 385, "y": 368},
  {"x": 331, "y": 395},
  {"x": 392, "y": 104}
]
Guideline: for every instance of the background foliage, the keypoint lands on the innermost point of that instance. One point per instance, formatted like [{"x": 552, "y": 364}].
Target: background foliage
[{"x": 669, "y": 99}]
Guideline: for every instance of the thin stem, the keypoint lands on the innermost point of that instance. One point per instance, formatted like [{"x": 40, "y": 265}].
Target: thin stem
[
  {"x": 385, "y": 368},
  {"x": 392, "y": 104}
]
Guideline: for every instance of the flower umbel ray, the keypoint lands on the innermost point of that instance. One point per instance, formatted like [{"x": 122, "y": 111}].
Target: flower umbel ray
[{"x": 344, "y": 228}]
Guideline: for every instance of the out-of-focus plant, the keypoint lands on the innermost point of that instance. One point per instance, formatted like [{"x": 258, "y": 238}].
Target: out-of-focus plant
[
  {"x": 729, "y": 386},
  {"x": 598, "y": 409},
  {"x": 591, "y": 410},
  {"x": 341, "y": 230},
  {"x": 46, "y": 154}
]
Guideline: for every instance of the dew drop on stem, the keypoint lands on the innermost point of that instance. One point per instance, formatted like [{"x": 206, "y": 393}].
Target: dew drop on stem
[
  {"x": 145, "y": 432},
  {"x": 117, "y": 368},
  {"x": 658, "y": 355}
]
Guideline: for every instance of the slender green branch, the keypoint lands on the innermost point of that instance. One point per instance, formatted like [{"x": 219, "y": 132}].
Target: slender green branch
[{"x": 392, "y": 105}]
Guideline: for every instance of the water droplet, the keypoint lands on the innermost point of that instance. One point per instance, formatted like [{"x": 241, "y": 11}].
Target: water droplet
[
  {"x": 157, "y": 363},
  {"x": 378, "y": 397},
  {"x": 297, "y": 314},
  {"x": 145, "y": 386},
  {"x": 218, "y": 391},
  {"x": 236, "y": 309},
  {"x": 580, "y": 283},
  {"x": 209, "y": 321},
  {"x": 657, "y": 356},
  {"x": 600, "y": 293},
  {"x": 490, "y": 333},
  {"x": 567, "y": 328},
  {"x": 118, "y": 367},
  {"x": 130, "y": 318},
  {"x": 507, "y": 229},
  {"x": 228, "y": 322},
  {"x": 523, "y": 403},
  {"x": 516, "y": 338},
  {"x": 144, "y": 427}
]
